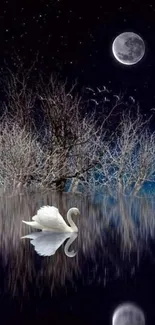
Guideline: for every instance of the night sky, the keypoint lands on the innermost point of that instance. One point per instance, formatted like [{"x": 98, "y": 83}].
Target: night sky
[{"x": 74, "y": 38}]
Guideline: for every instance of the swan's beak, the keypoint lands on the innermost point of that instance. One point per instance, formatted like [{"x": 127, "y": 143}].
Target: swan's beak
[{"x": 78, "y": 212}]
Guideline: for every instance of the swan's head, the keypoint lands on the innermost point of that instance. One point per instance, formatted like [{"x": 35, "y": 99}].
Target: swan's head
[{"x": 75, "y": 211}]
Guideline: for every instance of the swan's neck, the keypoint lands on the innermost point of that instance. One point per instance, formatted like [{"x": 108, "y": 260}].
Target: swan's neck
[
  {"x": 70, "y": 221},
  {"x": 67, "y": 245}
]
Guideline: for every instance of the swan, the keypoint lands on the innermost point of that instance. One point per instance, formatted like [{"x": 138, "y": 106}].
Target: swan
[
  {"x": 46, "y": 243},
  {"x": 48, "y": 218}
]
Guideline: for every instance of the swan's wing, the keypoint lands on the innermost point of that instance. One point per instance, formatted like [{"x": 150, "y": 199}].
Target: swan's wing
[
  {"x": 46, "y": 243},
  {"x": 44, "y": 209},
  {"x": 34, "y": 218},
  {"x": 49, "y": 217},
  {"x": 33, "y": 235},
  {"x": 33, "y": 224}
]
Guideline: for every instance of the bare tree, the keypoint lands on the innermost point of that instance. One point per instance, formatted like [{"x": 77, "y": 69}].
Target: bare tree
[
  {"x": 70, "y": 143},
  {"x": 144, "y": 161},
  {"x": 128, "y": 161},
  {"x": 24, "y": 162},
  {"x": 67, "y": 142},
  {"x": 19, "y": 95},
  {"x": 75, "y": 137},
  {"x": 20, "y": 155}
]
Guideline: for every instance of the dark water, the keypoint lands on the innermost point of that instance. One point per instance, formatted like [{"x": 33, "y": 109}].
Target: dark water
[{"x": 115, "y": 261}]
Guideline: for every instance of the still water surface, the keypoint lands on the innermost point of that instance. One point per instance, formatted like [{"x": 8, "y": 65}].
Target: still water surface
[{"x": 114, "y": 261}]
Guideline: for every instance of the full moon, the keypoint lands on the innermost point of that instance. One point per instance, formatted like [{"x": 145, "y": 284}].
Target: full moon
[
  {"x": 127, "y": 314},
  {"x": 128, "y": 48}
]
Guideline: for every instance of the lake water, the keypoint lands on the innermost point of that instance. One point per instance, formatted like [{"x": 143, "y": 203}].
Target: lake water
[{"x": 114, "y": 263}]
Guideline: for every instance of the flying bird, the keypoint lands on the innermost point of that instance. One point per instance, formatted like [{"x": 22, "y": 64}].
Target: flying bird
[
  {"x": 48, "y": 218},
  {"x": 90, "y": 89},
  {"x": 95, "y": 101},
  {"x": 105, "y": 89},
  {"x": 116, "y": 96},
  {"x": 106, "y": 99},
  {"x": 100, "y": 90},
  {"x": 132, "y": 99}
]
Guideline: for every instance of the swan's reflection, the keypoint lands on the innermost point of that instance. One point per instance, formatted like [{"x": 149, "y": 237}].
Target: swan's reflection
[{"x": 46, "y": 243}]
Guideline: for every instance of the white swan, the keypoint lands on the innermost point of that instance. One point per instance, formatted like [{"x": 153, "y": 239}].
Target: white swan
[
  {"x": 48, "y": 218},
  {"x": 46, "y": 243}
]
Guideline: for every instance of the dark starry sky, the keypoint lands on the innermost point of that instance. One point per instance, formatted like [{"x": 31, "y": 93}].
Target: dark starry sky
[{"x": 74, "y": 38}]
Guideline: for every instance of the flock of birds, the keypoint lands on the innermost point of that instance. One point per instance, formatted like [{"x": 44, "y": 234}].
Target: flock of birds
[
  {"x": 105, "y": 99},
  {"x": 94, "y": 93}
]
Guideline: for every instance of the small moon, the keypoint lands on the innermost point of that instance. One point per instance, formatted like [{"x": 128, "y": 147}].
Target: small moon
[
  {"x": 128, "y": 314},
  {"x": 128, "y": 48}
]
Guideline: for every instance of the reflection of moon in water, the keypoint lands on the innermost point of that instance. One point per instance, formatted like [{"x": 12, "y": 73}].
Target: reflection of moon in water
[
  {"x": 128, "y": 314},
  {"x": 128, "y": 48}
]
